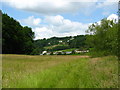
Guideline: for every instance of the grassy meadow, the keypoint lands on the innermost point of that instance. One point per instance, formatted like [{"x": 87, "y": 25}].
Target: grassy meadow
[{"x": 24, "y": 71}]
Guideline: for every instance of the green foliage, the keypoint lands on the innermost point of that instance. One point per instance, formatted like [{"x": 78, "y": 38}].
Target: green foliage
[
  {"x": 19, "y": 40},
  {"x": 103, "y": 38},
  {"x": 73, "y": 51},
  {"x": 59, "y": 53},
  {"x": 54, "y": 44},
  {"x": 35, "y": 51},
  {"x": 51, "y": 53},
  {"x": 68, "y": 50},
  {"x": 78, "y": 41},
  {"x": 59, "y": 48},
  {"x": 16, "y": 39}
]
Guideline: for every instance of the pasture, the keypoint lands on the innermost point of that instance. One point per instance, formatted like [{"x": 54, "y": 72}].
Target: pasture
[{"x": 25, "y": 71}]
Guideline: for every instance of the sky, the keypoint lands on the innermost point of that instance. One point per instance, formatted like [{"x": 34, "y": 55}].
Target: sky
[{"x": 59, "y": 18}]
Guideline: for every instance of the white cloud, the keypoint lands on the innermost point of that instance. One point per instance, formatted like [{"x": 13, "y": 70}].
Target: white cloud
[
  {"x": 113, "y": 17},
  {"x": 62, "y": 6},
  {"x": 54, "y": 20},
  {"x": 64, "y": 25},
  {"x": 42, "y": 32},
  {"x": 43, "y": 7},
  {"x": 59, "y": 26},
  {"x": 31, "y": 21}
]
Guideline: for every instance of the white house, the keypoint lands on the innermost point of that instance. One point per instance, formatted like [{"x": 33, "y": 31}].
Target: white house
[
  {"x": 44, "y": 52},
  {"x": 77, "y": 51},
  {"x": 60, "y": 41},
  {"x": 68, "y": 52}
]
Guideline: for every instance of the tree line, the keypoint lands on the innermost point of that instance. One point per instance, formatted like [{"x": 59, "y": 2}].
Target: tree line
[
  {"x": 17, "y": 39},
  {"x": 102, "y": 39},
  {"x": 62, "y": 43}
]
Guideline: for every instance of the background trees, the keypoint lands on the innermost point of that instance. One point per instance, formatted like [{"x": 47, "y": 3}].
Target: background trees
[
  {"x": 16, "y": 39},
  {"x": 104, "y": 38},
  {"x": 62, "y": 43},
  {"x": 78, "y": 42}
]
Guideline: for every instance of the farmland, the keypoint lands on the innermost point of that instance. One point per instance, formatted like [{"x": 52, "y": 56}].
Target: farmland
[{"x": 26, "y": 71}]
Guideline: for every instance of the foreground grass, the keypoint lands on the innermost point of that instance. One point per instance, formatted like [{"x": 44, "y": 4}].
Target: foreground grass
[
  {"x": 20, "y": 71},
  {"x": 0, "y": 71}
]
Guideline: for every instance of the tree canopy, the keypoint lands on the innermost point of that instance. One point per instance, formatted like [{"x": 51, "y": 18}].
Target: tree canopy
[
  {"x": 16, "y": 39},
  {"x": 104, "y": 37}
]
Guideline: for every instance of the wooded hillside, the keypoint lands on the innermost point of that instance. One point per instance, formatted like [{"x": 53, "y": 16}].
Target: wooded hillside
[{"x": 101, "y": 40}]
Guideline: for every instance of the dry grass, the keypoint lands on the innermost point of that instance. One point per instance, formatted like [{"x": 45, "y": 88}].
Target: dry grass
[
  {"x": 106, "y": 69},
  {"x": 59, "y": 71},
  {"x": 18, "y": 66},
  {"x": 0, "y": 71}
]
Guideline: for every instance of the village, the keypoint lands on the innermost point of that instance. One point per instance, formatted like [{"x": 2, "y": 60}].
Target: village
[{"x": 76, "y": 51}]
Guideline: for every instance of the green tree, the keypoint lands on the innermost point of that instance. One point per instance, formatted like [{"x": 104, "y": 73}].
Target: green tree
[
  {"x": 15, "y": 38},
  {"x": 103, "y": 38}
]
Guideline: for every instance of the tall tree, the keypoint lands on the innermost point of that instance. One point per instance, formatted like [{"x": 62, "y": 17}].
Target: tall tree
[
  {"x": 15, "y": 38},
  {"x": 103, "y": 37}
]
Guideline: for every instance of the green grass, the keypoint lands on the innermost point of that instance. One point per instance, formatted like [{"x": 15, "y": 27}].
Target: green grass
[
  {"x": 53, "y": 46},
  {"x": 21, "y": 71},
  {"x": 67, "y": 50},
  {"x": 0, "y": 71}
]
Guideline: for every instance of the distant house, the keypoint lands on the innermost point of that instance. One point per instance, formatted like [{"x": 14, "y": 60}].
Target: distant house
[
  {"x": 68, "y": 40},
  {"x": 58, "y": 52},
  {"x": 72, "y": 38},
  {"x": 78, "y": 51},
  {"x": 48, "y": 53},
  {"x": 60, "y": 41},
  {"x": 49, "y": 43},
  {"x": 87, "y": 51},
  {"x": 70, "y": 52},
  {"x": 55, "y": 53},
  {"x": 44, "y": 52},
  {"x": 63, "y": 53}
]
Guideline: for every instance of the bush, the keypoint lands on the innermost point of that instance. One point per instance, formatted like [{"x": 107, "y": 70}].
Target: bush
[
  {"x": 59, "y": 53},
  {"x": 51, "y": 53},
  {"x": 73, "y": 51},
  {"x": 60, "y": 48}
]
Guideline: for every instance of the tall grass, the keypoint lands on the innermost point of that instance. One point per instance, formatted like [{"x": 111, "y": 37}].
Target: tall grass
[
  {"x": 0, "y": 71},
  {"x": 59, "y": 72}
]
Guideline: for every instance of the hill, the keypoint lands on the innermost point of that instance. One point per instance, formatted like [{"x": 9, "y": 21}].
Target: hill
[
  {"x": 102, "y": 39},
  {"x": 62, "y": 43},
  {"x": 18, "y": 39}
]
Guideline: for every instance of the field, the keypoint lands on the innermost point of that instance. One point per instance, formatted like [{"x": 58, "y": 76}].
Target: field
[{"x": 24, "y": 71}]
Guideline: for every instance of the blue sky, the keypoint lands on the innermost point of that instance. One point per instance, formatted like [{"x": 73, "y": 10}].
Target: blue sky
[{"x": 60, "y": 18}]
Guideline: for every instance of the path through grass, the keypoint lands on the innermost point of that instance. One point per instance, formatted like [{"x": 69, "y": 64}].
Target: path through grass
[{"x": 20, "y": 71}]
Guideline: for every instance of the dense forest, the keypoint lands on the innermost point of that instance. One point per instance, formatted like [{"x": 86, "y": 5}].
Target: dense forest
[
  {"x": 101, "y": 39},
  {"x": 16, "y": 39}
]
